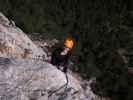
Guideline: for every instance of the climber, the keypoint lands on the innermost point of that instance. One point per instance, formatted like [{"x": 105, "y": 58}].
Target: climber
[{"x": 60, "y": 56}]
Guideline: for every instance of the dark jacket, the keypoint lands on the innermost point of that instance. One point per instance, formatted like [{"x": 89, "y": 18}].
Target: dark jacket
[{"x": 60, "y": 60}]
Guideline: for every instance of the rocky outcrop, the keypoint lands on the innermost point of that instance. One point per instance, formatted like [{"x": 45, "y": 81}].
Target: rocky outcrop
[
  {"x": 14, "y": 42},
  {"x": 35, "y": 80},
  {"x": 22, "y": 78}
]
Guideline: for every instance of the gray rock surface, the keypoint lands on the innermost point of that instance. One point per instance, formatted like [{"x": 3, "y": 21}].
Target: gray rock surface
[
  {"x": 22, "y": 78},
  {"x": 35, "y": 80},
  {"x": 14, "y": 42}
]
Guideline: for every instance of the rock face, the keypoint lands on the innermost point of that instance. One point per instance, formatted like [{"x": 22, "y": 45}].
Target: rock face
[
  {"x": 22, "y": 78},
  {"x": 35, "y": 80},
  {"x": 14, "y": 42}
]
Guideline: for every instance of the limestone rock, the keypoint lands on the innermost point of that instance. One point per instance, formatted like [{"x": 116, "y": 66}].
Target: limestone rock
[
  {"x": 22, "y": 78},
  {"x": 35, "y": 80},
  {"x": 14, "y": 42}
]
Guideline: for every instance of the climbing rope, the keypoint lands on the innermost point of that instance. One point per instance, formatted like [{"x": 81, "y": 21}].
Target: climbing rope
[{"x": 64, "y": 94}]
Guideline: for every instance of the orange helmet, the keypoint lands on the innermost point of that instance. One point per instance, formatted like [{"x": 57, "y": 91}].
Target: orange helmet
[{"x": 69, "y": 43}]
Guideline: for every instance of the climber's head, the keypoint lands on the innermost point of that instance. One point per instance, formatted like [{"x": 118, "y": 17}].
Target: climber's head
[{"x": 68, "y": 43}]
